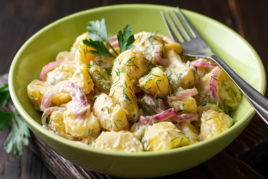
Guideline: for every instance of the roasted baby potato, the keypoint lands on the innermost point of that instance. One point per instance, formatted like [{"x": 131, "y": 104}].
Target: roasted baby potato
[
  {"x": 187, "y": 104},
  {"x": 214, "y": 123},
  {"x": 63, "y": 72},
  {"x": 190, "y": 131},
  {"x": 111, "y": 115},
  {"x": 163, "y": 136},
  {"x": 36, "y": 90},
  {"x": 138, "y": 130},
  {"x": 123, "y": 92},
  {"x": 132, "y": 63},
  {"x": 83, "y": 79},
  {"x": 100, "y": 77},
  {"x": 228, "y": 93},
  {"x": 155, "y": 83},
  {"x": 153, "y": 45},
  {"x": 81, "y": 127},
  {"x": 55, "y": 123},
  {"x": 179, "y": 74},
  {"x": 118, "y": 141}
]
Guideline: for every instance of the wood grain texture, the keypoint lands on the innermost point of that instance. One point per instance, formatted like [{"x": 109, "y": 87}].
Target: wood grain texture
[{"x": 246, "y": 157}]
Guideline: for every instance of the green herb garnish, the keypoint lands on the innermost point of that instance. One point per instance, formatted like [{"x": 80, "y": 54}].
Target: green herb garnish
[
  {"x": 125, "y": 39},
  {"x": 19, "y": 133},
  {"x": 100, "y": 49},
  {"x": 97, "y": 34},
  {"x": 4, "y": 96}
]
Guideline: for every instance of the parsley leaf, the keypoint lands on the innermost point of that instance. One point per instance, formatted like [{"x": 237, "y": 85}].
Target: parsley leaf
[
  {"x": 125, "y": 39},
  {"x": 18, "y": 135},
  {"x": 100, "y": 49},
  {"x": 97, "y": 34},
  {"x": 4, "y": 96},
  {"x": 5, "y": 118},
  {"x": 97, "y": 30}
]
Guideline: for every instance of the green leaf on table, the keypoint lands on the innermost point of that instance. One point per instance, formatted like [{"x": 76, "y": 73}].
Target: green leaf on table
[
  {"x": 125, "y": 39},
  {"x": 4, "y": 119},
  {"x": 18, "y": 135},
  {"x": 3, "y": 87},
  {"x": 97, "y": 30},
  {"x": 100, "y": 49},
  {"x": 4, "y": 96},
  {"x": 24, "y": 130}
]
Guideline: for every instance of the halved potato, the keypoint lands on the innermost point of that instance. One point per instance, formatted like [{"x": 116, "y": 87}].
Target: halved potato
[
  {"x": 163, "y": 136},
  {"x": 213, "y": 123},
  {"x": 118, "y": 141},
  {"x": 111, "y": 115},
  {"x": 155, "y": 83},
  {"x": 123, "y": 92},
  {"x": 36, "y": 90},
  {"x": 132, "y": 63},
  {"x": 179, "y": 74},
  {"x": 81, "y": 127}
]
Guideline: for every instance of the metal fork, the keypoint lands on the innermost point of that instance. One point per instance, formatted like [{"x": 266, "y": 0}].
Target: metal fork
[{"x": 196, "y": 47}]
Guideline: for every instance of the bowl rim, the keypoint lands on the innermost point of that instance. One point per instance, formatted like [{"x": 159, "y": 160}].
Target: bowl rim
[{"x": 31, "y": 122}]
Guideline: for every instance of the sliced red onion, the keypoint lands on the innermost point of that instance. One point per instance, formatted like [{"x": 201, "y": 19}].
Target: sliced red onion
[
  {"x": 213, "y": 84},
  {"x": 182, "y": 95},
  {"x": 47, "y": 68},
  {"x": 78, "y": 97},
  {"x": 113, "y": 41},
  {"x": 200, "y": 63},
  {"x": 144, "y": 120},
  {"x": 158, "y": 110},
  {"x": 148, "y": 100},
  {"x": 188, "y": 63},
  {"x": 47, "y": 112},
  {"x": 161, "y": 61},
  {"x": 60, "y": 87},
  {"x": 185, "y": 117},
  {"x": 79, "y": 101}
]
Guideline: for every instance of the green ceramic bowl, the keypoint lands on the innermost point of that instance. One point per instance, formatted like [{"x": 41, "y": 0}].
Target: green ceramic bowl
[{"x": 43, "y": 47}]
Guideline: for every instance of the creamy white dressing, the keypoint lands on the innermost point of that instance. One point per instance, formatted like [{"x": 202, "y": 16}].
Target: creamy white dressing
[
  {"x": 58, "y": 74},
  {"x": 146, "y": 44}
]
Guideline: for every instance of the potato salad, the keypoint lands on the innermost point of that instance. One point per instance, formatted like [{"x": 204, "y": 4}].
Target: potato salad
[{"x": 132, "y": 93}]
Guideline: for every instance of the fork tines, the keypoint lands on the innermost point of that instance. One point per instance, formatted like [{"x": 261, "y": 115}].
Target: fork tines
[{"x": 182, "y": 30}]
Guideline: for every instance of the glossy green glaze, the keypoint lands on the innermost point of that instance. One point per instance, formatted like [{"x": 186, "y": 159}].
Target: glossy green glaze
[{"x": 43, "y": 47}]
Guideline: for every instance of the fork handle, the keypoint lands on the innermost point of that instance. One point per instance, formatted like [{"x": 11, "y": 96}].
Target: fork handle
[{"x": 257, "y": 100}]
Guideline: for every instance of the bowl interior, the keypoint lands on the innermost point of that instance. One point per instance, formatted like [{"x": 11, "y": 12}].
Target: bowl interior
[{"x": 60, "y": 35}]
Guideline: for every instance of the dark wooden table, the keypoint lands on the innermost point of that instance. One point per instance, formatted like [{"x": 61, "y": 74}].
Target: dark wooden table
[{"x": 20, "y": 19}]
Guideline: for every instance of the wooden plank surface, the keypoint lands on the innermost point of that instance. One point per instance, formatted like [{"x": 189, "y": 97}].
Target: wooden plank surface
[{"x": 245, "y": 158}]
